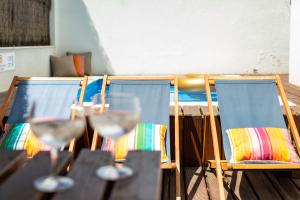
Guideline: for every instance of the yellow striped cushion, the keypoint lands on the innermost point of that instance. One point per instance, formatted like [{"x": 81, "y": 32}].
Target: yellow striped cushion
[
  {"x": 261, "y": 144},
  {"x": 146, "y": 137},
  {"x": 20, "y": 137}
]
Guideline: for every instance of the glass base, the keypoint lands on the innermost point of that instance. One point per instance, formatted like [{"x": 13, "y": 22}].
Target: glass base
[
  {"x": 112, "y": 173},
  {"x": 53, "y": 183}
]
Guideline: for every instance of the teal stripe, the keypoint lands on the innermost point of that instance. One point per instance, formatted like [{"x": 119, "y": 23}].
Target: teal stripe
[
  {"x": 20, "y": 133},
  {"x": 153, "y": 138},
  {"x": 12, "y": 137},
  {"x": 148, "y": 137}
]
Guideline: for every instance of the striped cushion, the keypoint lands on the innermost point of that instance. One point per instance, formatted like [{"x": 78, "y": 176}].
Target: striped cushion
[
  {"x": 79, "y": 64},
  {"x": 261, "y": 144},
  {"x": 146, "y": 137},
  {"x": 20, "y": 137}
]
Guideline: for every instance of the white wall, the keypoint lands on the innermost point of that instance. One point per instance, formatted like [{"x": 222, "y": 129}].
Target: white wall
[
  {"x": 166, "y": 37},
  {"x": 177, "y": 36},
  {"x": 32, "y": 61},
  {"x": 294, "y": 73},
  {"x": 74, "y": 31}
]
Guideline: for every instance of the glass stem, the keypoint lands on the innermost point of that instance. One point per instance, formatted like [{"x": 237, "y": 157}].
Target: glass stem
[
  {"x": 53, "y": 156},
  {"x": 113, "y": 153}
]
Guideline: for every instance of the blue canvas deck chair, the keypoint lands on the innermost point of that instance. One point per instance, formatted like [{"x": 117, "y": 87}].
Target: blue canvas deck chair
[
  {"x": 53, "y": 97},
  {"x": 244, "y": 102},
  {"x": 154, "y": 95}
]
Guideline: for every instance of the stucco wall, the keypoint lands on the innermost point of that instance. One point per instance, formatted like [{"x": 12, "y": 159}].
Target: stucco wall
[
  {"x": 166, "y": 37},
  {"x": 176, "y": 36},
  {"x": 295, "y": 44},
  {"x": 33, "y": 61}
]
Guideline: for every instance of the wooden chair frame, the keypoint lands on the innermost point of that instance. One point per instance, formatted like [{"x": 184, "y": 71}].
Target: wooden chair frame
[
  {"x": 174, "y": 81},
  {"x": 15, "y": 82},
  {"x": 220, "y": 165}
]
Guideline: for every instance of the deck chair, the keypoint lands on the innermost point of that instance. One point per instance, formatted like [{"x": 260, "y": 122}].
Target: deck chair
[
  {"x": 248, "y": 101},
  {"x": 54, "y": 97},
  {"x": 154, "y": 95}
]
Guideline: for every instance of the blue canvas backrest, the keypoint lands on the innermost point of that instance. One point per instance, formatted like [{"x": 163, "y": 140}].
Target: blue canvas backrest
[
  {"x": 52, "y": 99},
  {"x": 247, "y": 104},
  {"x": 154, "y": 98}
]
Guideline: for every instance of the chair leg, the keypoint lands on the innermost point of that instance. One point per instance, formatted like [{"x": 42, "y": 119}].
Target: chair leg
[
  {"x": 204, "y": 139},
  {"x": 86, "y": 139},
  {"x": 214, "y": 135},
  {"x": 72, "y": 145},
  {"x": 95, "y": 140},
  {"x": 178, "y": 185}
]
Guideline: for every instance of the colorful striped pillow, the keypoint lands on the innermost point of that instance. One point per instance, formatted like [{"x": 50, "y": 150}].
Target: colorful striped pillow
[
  {"x": 20, "y": 137},
  {"x": 79, "y": 64},
  {"x": 261, "y": 144},
  {"x": 146, "y": 137}
]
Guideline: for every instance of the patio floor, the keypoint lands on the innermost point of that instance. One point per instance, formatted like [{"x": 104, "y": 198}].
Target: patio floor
[{"x": 202, "y": 184}]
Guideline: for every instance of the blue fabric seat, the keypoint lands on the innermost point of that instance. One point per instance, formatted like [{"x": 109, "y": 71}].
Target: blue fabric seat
[
  {"x": 154, "y": 98},
  {"x": 53, "y": 98},
  {"x": 246, "y": 104}
]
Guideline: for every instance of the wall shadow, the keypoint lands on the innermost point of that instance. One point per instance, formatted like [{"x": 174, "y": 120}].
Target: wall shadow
[{"x": 76, "y": 32}]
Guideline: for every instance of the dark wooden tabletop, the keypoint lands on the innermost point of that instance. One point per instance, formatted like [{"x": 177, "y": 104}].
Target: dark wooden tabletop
[
  {"x": 9, "y": 162},
  {"x": 17, "y": 176}
]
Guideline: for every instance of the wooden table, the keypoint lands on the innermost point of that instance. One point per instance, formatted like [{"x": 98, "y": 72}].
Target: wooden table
[{"x": 17, "y": 183}]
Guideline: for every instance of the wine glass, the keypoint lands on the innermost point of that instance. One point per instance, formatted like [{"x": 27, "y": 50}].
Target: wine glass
[
  {"x": 56, "y": 133},
  {"x": 121, "y": 117}
]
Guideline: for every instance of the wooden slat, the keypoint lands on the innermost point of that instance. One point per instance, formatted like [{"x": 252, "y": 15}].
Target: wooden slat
[
  {"x": 289, "y": 115},
  {"x": 168, "y": 189},
  {"x": 212, "y": 186},
  {"x": 172, "y": 113},
  {"x": 178, "y": 139},
  {"x": 296, "y": 109},
  {"x": 171, "y": 165},
  {"x": 7, "y": 101},
  {"x": 212, "y": 78},
  {"x": 2, "y": 96},
  {"x": 288, "y": 86},
  {"x": 20, "y": 184},
  {"x": 146, "y": 181},
  {"x": 73, "y": 115},
  {"x": 205, "y": 111},
  {"x": 10, "y": 161},
  {"x": 49, "y": 79},
  {"x": 192, "y": 137},
  {"x": 195, "y": 183},
  {"x": 214, "y": 136},
  {"x": 191, "y": 111},
  {"x": 262, "y": 185},
  {"x": 284, "y": 185},
  {"x": 226, "y": 166},
  {"x": 87, "y": 184},
  {"x": 171, "y": 78},
  {"x": 292, "y": 91},
  {"x": 296, "y": 180},
  {"x": 208, "y": 153},
  {"x": 239, "y": 185},
  {"x": 96, "y": 138}
]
